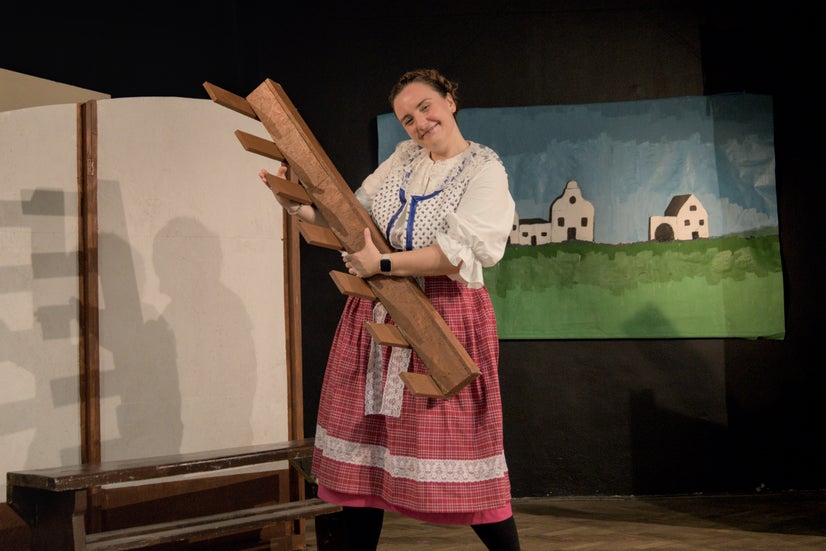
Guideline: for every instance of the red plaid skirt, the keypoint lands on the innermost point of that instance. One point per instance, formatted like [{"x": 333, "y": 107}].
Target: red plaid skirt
[{"x": 437, "y": 456}]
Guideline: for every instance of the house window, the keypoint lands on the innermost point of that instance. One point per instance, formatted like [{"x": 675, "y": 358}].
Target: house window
[
  {"x": 687, "y": 222},
  {"x": 702, "y": 222},
  {"x": 560, "y": 222},
  {"x": 692, "y": 207},
  {"x": 583, "y": 222},
  {"x": 572, "y": 199}
]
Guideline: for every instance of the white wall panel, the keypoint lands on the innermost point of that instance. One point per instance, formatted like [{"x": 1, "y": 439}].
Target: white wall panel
[
  {"x": 39, "y": 396},
  {"x": 191, "y": 277}
]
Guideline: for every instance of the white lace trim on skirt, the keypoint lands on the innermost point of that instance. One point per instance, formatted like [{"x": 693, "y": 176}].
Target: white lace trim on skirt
[{"x": 420, "y": 470}]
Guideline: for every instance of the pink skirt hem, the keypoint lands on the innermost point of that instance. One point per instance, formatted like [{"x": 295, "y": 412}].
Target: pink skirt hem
[{"x": 464, "y": 519}]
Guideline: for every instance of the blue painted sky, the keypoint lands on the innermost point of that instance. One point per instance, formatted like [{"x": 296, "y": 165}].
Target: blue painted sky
[{"x": 631, "y": 158}]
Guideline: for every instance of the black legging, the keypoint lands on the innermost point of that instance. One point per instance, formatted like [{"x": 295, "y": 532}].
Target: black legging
[
  {"x": 362, "y": 528},
  {"x": 498, "y": 536}
]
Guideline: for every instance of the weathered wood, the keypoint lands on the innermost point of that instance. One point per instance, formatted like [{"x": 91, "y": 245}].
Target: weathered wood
[
  {"x": 256, "y": 144},
  {"x": 387, "y": 335},
  {"x": 420, "y": 385},
  {"x": 208, "y": 526},
  {"x": 88, "y": 310},
  {"x": 56, "y": 519},
  {"x": 229, "y": 100},
  {"x": 53, "y": 501},
  {"x": 319, "y": 236},
  {"x": 76, "y": 477},
  {"x": 449, "y": 365},
  {"x": 351, "y": 285},
  {"x": 290, "y": 190}
]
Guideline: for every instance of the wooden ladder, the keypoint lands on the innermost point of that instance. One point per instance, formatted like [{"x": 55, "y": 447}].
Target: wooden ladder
[{"x": 417, "y": 323}]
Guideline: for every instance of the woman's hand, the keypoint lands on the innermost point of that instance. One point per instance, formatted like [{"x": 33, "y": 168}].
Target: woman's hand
[
  {"x": 363, "y": 263},
  {"x": 289, "y": 204}
]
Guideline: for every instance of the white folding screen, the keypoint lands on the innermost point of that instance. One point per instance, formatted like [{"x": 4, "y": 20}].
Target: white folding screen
[
  {"x": 39, "y": 394},
  {"x": 190, "y": 260},
  {"x": 192, "y": 333}
]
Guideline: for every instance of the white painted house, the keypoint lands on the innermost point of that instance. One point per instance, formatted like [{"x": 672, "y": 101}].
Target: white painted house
[
  {"x": 530, "y": 231},
  {"x": 685, "y": 219},
  {"x": 572, "y": 217}
]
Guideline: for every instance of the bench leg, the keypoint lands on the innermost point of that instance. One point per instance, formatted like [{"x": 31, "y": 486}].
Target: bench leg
[{"x": 56, "y": 519}]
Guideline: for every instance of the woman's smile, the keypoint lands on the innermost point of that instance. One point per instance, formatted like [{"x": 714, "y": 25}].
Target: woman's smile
[{"x": 428, "y": 131}]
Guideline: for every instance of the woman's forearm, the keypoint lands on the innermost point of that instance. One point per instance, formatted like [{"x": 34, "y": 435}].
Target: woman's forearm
[
  {"x": 427, "y": 261},
  {"x": 308, "y": 214}
]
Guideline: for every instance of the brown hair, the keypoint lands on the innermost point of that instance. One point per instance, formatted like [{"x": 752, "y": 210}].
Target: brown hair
[{"x": 430, "y": 77}]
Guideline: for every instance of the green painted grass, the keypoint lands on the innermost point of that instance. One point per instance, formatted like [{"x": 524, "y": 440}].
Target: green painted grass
[{"x": 729, "y": 286}]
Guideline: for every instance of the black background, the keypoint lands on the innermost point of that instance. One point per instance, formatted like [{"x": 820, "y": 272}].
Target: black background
[{"x": 581, "y": 417}]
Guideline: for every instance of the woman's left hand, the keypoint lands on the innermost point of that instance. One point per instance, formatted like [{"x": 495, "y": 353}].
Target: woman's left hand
[{"x": 363, "y": 263}]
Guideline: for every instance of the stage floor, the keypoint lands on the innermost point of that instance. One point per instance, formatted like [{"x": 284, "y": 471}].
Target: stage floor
[{"x": 788, "y": 521}]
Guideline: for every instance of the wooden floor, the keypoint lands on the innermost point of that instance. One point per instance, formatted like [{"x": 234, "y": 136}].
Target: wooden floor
[{"x": 773, "y": 522}]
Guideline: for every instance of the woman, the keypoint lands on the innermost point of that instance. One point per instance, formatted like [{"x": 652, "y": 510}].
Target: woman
[{"x": 444, "y": 207}]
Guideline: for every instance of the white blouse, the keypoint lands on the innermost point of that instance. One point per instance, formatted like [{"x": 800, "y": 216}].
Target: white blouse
[{"x": 477, "y": 231}]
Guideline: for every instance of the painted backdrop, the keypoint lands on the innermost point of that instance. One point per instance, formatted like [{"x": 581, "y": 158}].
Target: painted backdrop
[{"x": 646, "y": 219}]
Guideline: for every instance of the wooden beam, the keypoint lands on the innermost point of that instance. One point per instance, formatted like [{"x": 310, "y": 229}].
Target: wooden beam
[
  {"x": 291, "y": 190},
  {"x": 257, "y": 144},
  {"x": 387, "y": 335},
  {"x": 319, "y": 236},
  {"x": 322, "y": 181},
  {"x": 89, "y": 299},
  {"x": 229, "y": 100},
  {"x": 421, "y": 385},
  {"x": 351, "y": 285},
  {"x": 449, "y": 365}
]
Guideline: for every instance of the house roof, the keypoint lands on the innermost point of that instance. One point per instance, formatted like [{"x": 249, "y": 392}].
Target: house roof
[{"x": 676, "y": 204}]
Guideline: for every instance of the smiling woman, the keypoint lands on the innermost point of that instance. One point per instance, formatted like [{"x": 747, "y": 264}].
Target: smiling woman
[
  {"x": 425, "y": 104},
  {"x": 377, "y": 446}
]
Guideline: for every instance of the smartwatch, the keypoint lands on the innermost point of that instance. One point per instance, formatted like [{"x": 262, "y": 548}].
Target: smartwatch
[{"x": 384, "y": 264}]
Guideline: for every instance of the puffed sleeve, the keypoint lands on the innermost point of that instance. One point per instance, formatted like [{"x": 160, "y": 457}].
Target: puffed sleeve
[
  {"x": 478, "y": 230},
  {"x": 370, "y": 186}
]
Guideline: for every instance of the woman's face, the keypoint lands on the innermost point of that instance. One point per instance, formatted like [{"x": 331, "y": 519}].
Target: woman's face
[{"x": 426, "y": 115}]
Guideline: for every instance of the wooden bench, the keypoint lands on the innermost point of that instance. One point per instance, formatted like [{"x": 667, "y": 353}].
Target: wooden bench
[{"x": 53, "y": 502}]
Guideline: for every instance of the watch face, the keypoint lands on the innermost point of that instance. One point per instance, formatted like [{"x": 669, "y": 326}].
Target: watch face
[{"x": 384, "y": 265}]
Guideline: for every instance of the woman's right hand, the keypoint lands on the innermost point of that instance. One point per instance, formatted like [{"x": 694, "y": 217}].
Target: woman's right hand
[{"x": 288, "y": 204}]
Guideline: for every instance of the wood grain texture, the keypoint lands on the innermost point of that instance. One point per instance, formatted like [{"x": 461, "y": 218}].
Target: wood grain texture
[
  {"x": 450, "y": 368},
  {"x": 77, "y": 477},
  {"x": 387, "y": 335},
  {"x": 351, "y": 285},
  {"x": 53, "y": 502},
  {"x": 256, "y": 144}
]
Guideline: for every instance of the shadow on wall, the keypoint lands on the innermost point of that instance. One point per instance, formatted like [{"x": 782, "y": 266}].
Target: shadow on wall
[
  {"x": 142, "y": 383},
  {"x": 181, "y": 378},
  {"x": 216, "y": 357},
  {"x": 38, "y": 323}
]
